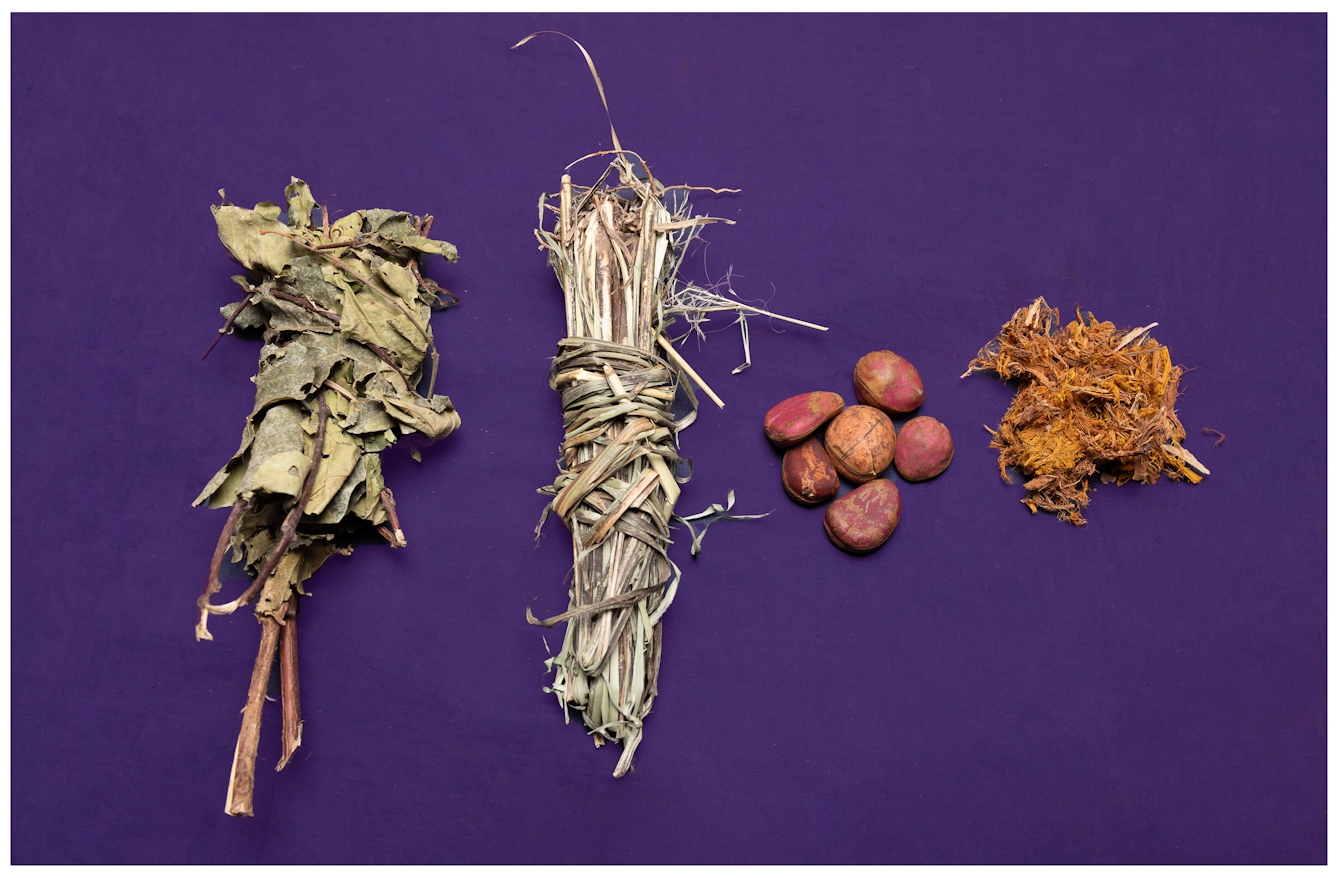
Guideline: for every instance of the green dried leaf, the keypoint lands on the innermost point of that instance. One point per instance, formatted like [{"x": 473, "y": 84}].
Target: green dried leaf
[
  {"x": 433, "y": 419},
  {"x": 392, "y": 224},
  {"x": 347, "y": 228},
  {"x": 278, "y": 463},
  {"x": 240, "y": 230},
  {"x": 427, "y": 245},
  {"x": 292, "y": 372},
  {"x": 368, "y": 506},
  {"x": 300, "y": 205},
  {"x": 339, "y": 459}
]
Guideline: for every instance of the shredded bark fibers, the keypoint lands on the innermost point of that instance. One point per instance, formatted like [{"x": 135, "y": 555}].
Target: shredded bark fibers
[{"x": 1091, "y": 400}]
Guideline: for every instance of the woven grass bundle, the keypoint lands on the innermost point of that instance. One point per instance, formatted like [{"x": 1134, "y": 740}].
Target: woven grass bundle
[
  {"x": 1092, "y": 400},
  {"x": 616, "y": 247}
]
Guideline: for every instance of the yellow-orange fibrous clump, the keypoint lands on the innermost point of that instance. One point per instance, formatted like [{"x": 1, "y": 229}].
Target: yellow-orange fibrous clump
[{"x": 1091, "y": 400}]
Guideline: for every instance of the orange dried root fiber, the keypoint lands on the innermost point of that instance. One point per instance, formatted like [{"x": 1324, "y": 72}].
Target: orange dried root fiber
[{"x": 1091, "y": 400}]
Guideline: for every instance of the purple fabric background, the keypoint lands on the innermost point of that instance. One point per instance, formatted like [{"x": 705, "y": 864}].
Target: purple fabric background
[{"x": 990, "y": 686}]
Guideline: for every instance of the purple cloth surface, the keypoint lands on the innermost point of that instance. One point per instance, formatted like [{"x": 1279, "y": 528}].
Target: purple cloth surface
[{"x": 990, "y": 686}]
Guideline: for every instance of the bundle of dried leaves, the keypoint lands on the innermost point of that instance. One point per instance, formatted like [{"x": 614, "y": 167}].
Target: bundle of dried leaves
[
  {"x": 345, "y": 311},
  {"x": 1091, "y": 400}
]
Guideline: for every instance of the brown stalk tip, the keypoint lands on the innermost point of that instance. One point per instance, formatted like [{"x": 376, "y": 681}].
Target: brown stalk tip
[
  {"x": 292, "y": 709},
  {"x": 242, "y": 781}
]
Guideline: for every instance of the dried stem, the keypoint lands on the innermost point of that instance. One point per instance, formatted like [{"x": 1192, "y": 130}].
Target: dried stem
[
  {"x": 227, "y": 327},
  {"x": 692, "y": 373},
  {"x": 388, "y": 502},
  {"x": 384, "y": 356},
  {"x": 242, "y": 783},
  {"x": 213, "y": 584},
  {"x": 339, "y": 390},
  {"x": 292, "y": 701},
  {"x": 303, "y": 303}
]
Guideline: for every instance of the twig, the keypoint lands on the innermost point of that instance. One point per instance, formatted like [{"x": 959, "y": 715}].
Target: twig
[
  {"x": 242, "y": 782},
  {"x": 384, "y": 356},
  {"x": 292, "y": 702},
  {"x": 339, "y": 390},
  {"x": 692, "y": 373},
  {"x": 432, "y": 286},
  {"x": 336, "y": 245},
  {"x": 213, "y": 584},
  {"x": 226, "y": 326},
  {"x": 303, "y": 303},
  {"x": 388, "y": 502},
  {"x": 742, "y": 307}
]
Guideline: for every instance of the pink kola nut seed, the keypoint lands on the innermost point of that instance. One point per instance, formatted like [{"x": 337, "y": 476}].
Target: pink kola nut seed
[
  {"x": 862, "y": 520},
  {"x": 888, "y": 382},
  {"x": 861, "y": 442},
  {"x": 793, "y": 420},
  {"x": 807, "y": 474},
  {"x": 924, "y": 449}
]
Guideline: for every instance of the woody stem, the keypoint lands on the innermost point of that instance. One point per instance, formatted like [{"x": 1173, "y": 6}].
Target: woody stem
[
  {"x": 292, "y": 702},
  {"x": 242, "y": 783}
]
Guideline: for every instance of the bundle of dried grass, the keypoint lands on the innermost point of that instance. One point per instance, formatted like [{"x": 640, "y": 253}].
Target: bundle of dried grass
[
  {"x": 1091, "y": 400},
  {"x": 616, "y": 247}
]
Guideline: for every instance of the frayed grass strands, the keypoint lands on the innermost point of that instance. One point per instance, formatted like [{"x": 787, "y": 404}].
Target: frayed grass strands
[
  {"x": 1091, "y": 400},
  {"x": 616, "y": 247}
]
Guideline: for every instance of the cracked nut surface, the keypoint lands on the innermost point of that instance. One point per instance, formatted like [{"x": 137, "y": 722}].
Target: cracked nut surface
[{"x": 861, "y": 442}]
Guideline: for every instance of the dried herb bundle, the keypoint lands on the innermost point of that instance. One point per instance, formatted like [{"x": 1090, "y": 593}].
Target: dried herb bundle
[
  {"x": 1091, "y": 400},
  {"x": 345, "y": 312},
  {"x": 616, "y": 247}
]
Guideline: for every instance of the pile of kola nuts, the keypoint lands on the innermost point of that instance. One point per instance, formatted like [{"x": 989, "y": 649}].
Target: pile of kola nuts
[{"x": 859, "y": 444}]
